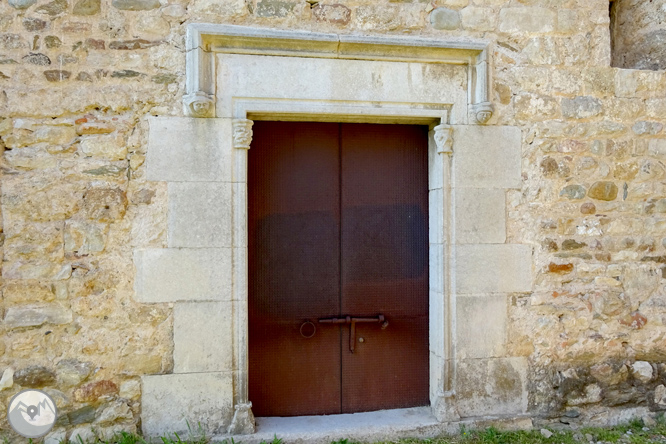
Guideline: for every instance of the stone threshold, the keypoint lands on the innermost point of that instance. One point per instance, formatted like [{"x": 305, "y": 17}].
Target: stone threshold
[{"x": 416, "y": 422}]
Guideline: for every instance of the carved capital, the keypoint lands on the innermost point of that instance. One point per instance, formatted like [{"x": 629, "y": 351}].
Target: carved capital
[
  {"x": 199, "y": 104},
  {"x": 243, "y": 421},
  {"x": 482, "y": 112},
  {"x": 242, "y": 133},
  {"x": 444, "y": 138}
]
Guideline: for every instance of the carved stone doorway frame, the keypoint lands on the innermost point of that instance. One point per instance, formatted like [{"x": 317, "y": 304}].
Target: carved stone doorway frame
[
  {"x": 238, "y": 74},
  {"x": 204, "y": 82}
]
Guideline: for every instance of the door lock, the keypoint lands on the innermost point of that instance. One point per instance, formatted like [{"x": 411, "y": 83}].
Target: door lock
[{"x": 352, "y": 326}]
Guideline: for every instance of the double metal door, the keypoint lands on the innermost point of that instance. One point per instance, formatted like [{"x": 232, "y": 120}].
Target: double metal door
[{"x": 338, "y": 268}]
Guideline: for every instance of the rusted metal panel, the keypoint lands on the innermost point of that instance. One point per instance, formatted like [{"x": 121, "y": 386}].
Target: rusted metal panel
[
  {"x": 384, "y": 229},
  {"x": 294, "y": 274},
  {"x": 338, "y": 268}
]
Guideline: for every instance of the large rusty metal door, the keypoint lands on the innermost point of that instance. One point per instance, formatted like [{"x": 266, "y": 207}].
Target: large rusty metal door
[{"x": 338, "y": 268}]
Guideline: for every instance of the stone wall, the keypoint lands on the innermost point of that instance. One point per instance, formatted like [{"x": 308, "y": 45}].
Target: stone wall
[
  {"x": 79, "y": 79},
  {"x": 639, "y": 34}
]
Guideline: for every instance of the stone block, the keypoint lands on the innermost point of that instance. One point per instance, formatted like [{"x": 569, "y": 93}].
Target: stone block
[
  {"x": 581, "y": 107},
  {"x": 199, "y": 214},
  {"x": 491, "y": 386},
  {"x": 478, "y": 19},
  {"x": 169, "y": 275},
  {"x": 184, "y": 149},
  {"x": 476, "y": 147},
  {"x": 493, "y": 268},
  {"x": 481, "y": 326},
  {"x": 480, "y": 215},
  {"x": 170, "y": 402},
  {"x": 445, "y": 18},
  {"x": 202, "y": 337},
  {"x": 527, "y": 20},
  {"x": 36, "y": 316}
]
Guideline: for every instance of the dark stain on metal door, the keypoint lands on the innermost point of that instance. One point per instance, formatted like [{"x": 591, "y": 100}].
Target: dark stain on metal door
[{"x": 338, "y": 268}]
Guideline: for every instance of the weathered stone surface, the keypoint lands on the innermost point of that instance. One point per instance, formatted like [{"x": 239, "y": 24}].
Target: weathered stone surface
[
  {"x": 136, "y": 5},
  {"x": 82, "y": 434},
  {"x": 72, "y": 372},
  {"x": 126, "y": 74},
  {"x": 480, "y": 392},
  {"x": 7, "y": 380},
  {"x": 86, "y": 7},
  {"x": 165, "y": 79},
  {"x": 560, "y": 268},
  {"x": 445, "y": 18},
  {"x": 94, "y": 390},
  {"x": 486, "y": 336},
  {"x": 37, "y": 59},
  {"x": 493, "y": 268},
  {"x": 642, "y": 371},
  {"x": 574, "y": 192},
  {"x": 274, "y": 8},
  {"x": 12, "y": 41},
  {"x": 104, "y": 147},
  {"x": 191, "y": 321},
  {"x": 33, "y": 24},
  {"x": 479, "y": 146},
  {"x": 116, "y": 411},
  {"x": 104, "y": 204},
  {"x": 211, "y": 203},
  {"x": 480, "y": 216},
  {"x": 167, "y": 275},
  {"x": 635, "y": 320},
  {"x": 169, "y": 402},
  {"x": 34, "y": 377},
  {"x": 83, "y": 415},
  {"x": 527, "y": 20},
  {"x": 56, "y": 7},
  {"x": 52, "y": 41},
  {"x": 582, "y": 107},
  {"x": 643, "y": 127},
  {"x": 64, "y": 59},
  {"x": 57, "y": 75},
  {"x": 22, "y": 4},
  {"x": 478, "y": 19},
  {"x": 190, "y": 150},
  {"x": 95, "y": 127},
  {"x": 572, "y": 244},
  {"x": 608, "y": 374},
  {"x": 603, "y": 190},
  {"x": 34, "y": 317},
  {"x": 335, "y": 13},
  {"x": 660, "y": 396},
  {"x": 130, "y": 390},
  {"x": 591, "y": 395},
  {"x": 56, "y": 135},
  {"x": 132, "y": 44}
]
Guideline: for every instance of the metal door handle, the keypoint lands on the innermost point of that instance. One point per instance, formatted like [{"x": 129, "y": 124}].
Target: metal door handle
[{"x": 352, "y": 325}]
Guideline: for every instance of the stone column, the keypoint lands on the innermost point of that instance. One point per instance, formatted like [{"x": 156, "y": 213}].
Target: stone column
[
  {"x": 444, "y": 407},
  {"x": 243, "y": 420}
]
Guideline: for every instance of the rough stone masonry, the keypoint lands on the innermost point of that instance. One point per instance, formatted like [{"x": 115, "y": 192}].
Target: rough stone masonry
[{"x": 79, "y": 79}]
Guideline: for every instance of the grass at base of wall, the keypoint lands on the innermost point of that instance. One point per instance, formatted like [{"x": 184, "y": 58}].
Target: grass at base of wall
[{"x": 634, "y": 432}]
